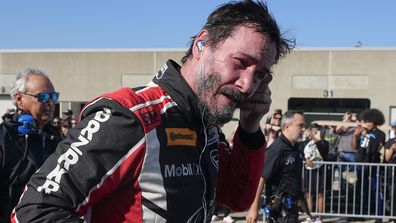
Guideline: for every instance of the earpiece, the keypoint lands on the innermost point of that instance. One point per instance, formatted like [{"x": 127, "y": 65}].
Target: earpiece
[
  {"x": 26, "y": 124},
  {"x": 200, "y": 45}
]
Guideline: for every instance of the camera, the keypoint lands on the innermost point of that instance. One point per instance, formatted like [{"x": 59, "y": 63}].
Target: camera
[
  {"x": 317, "y": 135},
  {"x": 274, "y": 206},
  {"x": 275, "y": 203}
]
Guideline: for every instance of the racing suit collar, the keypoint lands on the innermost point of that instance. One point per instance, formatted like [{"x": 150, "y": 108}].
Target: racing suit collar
[{"x": 170, "y": 78}]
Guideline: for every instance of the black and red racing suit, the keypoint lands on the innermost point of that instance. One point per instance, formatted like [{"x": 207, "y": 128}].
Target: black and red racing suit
[{"x": 144, "y": 155}]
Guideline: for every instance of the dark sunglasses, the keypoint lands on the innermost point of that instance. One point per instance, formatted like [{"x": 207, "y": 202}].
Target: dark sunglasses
[
  {"x": 44, "y": 97},
  {"x": 278, "y": 118}
]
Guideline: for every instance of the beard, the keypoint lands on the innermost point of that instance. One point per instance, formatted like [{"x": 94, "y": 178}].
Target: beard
[{"x": 208, "y": 105}]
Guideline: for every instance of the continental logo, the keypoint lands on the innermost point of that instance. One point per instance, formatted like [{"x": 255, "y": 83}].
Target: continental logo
[{"x": 181, "y": 137}]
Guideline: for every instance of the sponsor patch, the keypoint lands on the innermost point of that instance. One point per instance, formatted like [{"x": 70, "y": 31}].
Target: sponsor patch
[
  {"x": 213, "y": 135},
  {"x": 181, "y": 137},
  {"x": 290, "y": 160},
  {"x": 72, "y": 155},
  {"x": 214, "y": 157},
  {"x": 150, "y": 117},
  {"x": 161, "y": 72}
]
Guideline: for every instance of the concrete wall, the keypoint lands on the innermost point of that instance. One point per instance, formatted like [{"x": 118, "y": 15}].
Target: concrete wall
[
  {"x": 347, "y": 73},
  {"x": 80, "y": 76}
]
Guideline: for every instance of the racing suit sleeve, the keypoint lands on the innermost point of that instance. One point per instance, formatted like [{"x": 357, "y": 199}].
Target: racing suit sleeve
[
  {"x": 88, "y": 166},
  {"x": 240, "y": 170}
]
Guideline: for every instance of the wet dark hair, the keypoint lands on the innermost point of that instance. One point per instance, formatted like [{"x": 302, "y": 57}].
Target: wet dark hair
[
  {"x": 372, "y": 115},
  {"x": 221, "y": 23}
]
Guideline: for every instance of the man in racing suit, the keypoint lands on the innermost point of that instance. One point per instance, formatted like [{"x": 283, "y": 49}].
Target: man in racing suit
[{"x": 155, "y": 153}]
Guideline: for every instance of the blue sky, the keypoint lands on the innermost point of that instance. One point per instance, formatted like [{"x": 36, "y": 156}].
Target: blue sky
[{"x": 76, "y": 24}]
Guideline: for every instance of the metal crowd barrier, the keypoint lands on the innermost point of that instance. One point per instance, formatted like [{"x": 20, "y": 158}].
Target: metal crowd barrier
[{"x": 364, "y": 190}]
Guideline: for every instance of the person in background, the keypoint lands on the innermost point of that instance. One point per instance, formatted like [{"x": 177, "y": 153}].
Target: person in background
[
  {"x": 333, "y": 139},
  {"x": 8, "y": 112},
  {"x": 390, "y": 146},
  {"x": 73, "y": 123},
  {"x": 57, "y": 123},
  {"x": 392, "y": 132},
  {"x": 66, "y": 126},
  {"x": 272, "y": 130},
  {"x": 69, "y": 115},
  {"x": 282, "y": 174},
  {"x": 368, "y": 140},
  {"x": 316, "y": 150},
  {"x": 155, "y": 153},
  {"x": 27, "y": 137},
  {"x": 346, "y": 152},
  {"x": 390, "y": 157}
]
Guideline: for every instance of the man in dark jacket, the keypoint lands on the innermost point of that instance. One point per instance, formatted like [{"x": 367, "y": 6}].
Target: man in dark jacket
[
  {"x": 282, "y": 175},
  {"x": 155, "y": 153},
  {"x": 27, "y": 137}
]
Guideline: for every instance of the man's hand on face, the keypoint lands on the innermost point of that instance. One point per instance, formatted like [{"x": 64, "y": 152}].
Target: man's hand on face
[{"x": 253, "y": 109}]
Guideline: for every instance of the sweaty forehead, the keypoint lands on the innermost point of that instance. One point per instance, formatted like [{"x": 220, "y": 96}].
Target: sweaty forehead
[{"x": 247, "y": 40}]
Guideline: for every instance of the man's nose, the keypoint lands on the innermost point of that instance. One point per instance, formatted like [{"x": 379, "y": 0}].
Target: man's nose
[
  {"x": 50, "y": 102},
  {"x": 245, "y": 82}
]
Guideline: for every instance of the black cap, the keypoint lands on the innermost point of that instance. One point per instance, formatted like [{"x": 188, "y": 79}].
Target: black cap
[{"x": 68, "y": 112}]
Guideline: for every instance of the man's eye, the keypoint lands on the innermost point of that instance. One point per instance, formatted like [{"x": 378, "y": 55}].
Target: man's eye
[{"x": 242, "y": 63}]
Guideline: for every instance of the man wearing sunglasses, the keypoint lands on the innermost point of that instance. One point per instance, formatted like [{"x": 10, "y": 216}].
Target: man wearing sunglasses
[{"x": 23, "y": 149}]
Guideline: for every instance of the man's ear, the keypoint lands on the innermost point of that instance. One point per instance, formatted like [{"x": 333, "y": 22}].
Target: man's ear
[
  {"x": 18, "y": 101},
  {"x": 199, "y": 43},
  {"x": 286, "y": 126}
]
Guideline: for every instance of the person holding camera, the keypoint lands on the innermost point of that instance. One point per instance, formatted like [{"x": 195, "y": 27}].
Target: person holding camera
[
  {"x": 368, "y": 141},
  {"x": 272, "y": 127},
  {"x": 345, "y": 151},
  {"x": 27, "y": 137},
  {"x": 316, "y": 150},
  {"x": 282, "y": 175}
]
